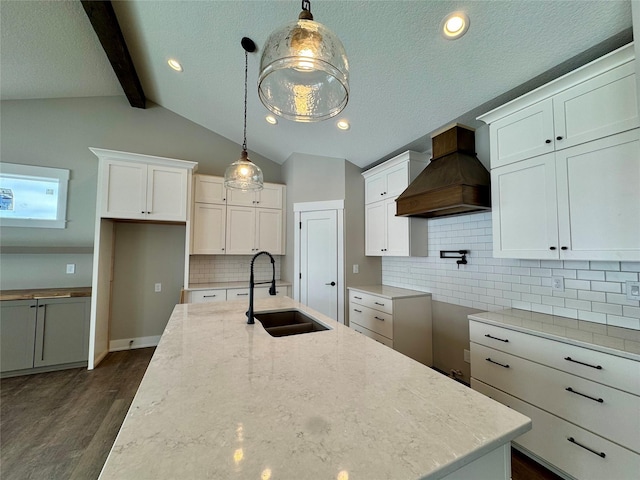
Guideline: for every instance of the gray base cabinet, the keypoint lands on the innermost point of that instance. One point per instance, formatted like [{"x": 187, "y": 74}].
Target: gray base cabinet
[{"x": 43, "y": 333}]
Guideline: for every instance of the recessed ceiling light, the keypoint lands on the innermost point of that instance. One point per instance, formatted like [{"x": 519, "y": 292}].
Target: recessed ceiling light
[
  {"x": 343, "y": 125},
  {"x": 271, "y": 119},
  {"x": 455, "y": 25},
  {"x": 175, "y": 64}
]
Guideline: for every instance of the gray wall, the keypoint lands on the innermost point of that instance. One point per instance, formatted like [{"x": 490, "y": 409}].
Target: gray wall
[
  {"x": 145, "y": 254},
  {"x": 58, "y": 133},
  {"x": 312, "y": 178}
]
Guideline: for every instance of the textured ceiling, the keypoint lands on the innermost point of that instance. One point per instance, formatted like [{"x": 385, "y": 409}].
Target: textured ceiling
[{"x": 406, "y": 80}]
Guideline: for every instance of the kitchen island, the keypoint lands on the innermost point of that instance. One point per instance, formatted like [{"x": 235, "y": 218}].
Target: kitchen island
[{"x": 222, "y": 400}]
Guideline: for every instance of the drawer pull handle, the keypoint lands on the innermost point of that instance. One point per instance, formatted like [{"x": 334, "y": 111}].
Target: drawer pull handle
[
  {"x": 209, "y": 296},
  {"x": 496, "y": 338},
  {"x": 378, "y": 318},
  {"x": 599, "y": 367},
  {"x": 381, "y": 304},
  {"x": 241, "y": 294},
  {"x": 599, "y": 400},
  {"x": 356, "y": 310},
  {"x": 357, "y": 298},
  {"x": 600, "y": 454},
  {"x": 498, "y": 363}
]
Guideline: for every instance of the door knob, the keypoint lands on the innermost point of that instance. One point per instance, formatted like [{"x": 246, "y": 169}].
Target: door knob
[{"x": 333, "y": 284}]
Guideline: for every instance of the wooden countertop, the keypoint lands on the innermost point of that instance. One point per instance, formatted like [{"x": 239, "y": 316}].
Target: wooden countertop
[{"x": 30, "y": 294}]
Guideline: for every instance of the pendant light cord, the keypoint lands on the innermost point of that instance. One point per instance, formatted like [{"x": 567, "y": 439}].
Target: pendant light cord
[{"x": 246, "y": 69}]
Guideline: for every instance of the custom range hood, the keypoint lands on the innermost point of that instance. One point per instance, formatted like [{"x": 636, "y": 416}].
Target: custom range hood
[{"x": 455, "y": 182}]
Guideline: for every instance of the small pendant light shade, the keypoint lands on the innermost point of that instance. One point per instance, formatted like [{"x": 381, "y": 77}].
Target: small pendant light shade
[
  {"x": 304, "y": 71},
  {"x": 243, "y": 174}
]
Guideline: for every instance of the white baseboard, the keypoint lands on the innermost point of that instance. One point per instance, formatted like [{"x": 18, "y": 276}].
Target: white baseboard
[{"x": 130, "y": 343}]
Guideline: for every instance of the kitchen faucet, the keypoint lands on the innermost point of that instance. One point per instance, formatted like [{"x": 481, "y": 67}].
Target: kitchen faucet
[{"x": 252, "y": 283}]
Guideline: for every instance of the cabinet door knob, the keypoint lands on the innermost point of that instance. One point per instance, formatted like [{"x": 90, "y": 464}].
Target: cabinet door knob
[
  {"x": 552, "y": 248},
  {"x": 559, "y": 137},
  {"x": 547, "y": 141},
  {"x": 564, "y": 248},
  {"x": 142, "y": 211}
]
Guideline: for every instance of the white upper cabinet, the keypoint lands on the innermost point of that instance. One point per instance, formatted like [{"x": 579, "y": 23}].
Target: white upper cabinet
[
  {"x": 565, "y": 166},
  {"x": 209, "y": 229},
  {"x": 271, "y": 196},
  {"x": 142, "y": 187},
  {"x": 209, "y": 189},
  {"x": 386, "y": 234},
  {"x": 592, "y": 102}
]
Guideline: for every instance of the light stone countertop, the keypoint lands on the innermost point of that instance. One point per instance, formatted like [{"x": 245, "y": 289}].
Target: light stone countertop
[
  {"x": 225, "y": 285},
  {"x": 224, "y": 400},
  {"x": 386, "y": 291},
  {"x": 623, "y": 342}
]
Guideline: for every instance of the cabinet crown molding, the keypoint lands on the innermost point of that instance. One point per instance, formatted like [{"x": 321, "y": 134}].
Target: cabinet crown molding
[
  {"x": 104, "y": 154},
  {"x": 409, "y": 155},
  {"x": 611, "y": 60}
]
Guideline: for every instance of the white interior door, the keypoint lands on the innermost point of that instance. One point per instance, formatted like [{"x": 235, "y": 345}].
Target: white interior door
[{"x": 319, "y": 284}]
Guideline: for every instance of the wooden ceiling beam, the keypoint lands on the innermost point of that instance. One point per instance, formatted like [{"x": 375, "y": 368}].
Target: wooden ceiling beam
[{"x": 105, "y": 23}]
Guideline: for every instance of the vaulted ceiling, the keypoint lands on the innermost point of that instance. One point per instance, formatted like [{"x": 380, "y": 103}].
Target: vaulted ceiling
[{"x": 406, "y": 79}]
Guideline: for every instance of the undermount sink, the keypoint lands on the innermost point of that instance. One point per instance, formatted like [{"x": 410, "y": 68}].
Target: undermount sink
[{"x": 288, "y": 322}]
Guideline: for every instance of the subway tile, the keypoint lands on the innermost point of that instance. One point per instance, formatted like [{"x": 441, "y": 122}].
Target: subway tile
[
  {"x": 527, "y": 297},
  {"x": 562, "y": 272},
  {"x": 630, "y": 266},
  {"x": 530, "y": 263},
  {"x": 568, "y": 293},
  {"x": 607, "y": 308},
  {"x": 551, "y": 264},
  {"x": 539, "y": 290},
  {"x": 521, "y": 288},
  {"x": 521, "y": 305},
  {"x": 565, "y": 312},
  {"x": 592, "y": 296},
  {"x": 531, "y": 281},
  {"x": 594, "y": 317},
  {"x": 577, "y": 284},
  {"x": 541, "y": 272},
  {"x": 611, "y": 287},
  {"x": 520, "y": 271},
  {"x": 513, "y": 295},
  {"x": 576, "y": 264},
  {"x": 577, "y": 304},
  {"x": 591, "y": 275},
  {"x": 630, "y": 311},
  {"x": 624, "y": 322},
  {"x": 604, "y": 265},
  {"x": 536, "y": 307},
  {"x": 558, "y": 302},
  {"x": 621, "y": 277},
  {"x": 621, "y": 299}
]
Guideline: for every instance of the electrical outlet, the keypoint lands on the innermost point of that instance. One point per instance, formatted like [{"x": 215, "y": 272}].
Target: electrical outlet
[
  {"x": 71, "y": 268},
  {"x": 557, "y": 284},
  {"x": 633, "y": 290},
  {"x": 158, "y": 287},
  {"x": 467, "y": 356},
  {"x": 356, "y": 268}
]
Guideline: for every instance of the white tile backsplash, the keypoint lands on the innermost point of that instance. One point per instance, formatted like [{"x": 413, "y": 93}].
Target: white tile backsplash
[
  {"x": 594, "y": 290},
  {"x": 230, "y": 268}
]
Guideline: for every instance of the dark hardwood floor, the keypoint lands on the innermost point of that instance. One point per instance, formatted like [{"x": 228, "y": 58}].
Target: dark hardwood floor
[{"x": 61, "y": 425}]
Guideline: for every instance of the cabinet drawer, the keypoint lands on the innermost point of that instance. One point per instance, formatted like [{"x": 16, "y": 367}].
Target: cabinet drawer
[
  {"x": 371, "y": 319},
  {"x": 603, "y": 410},
  {"x": 371, "y": 301},
  {"x": 617, "y": 372},
  {"x": 263, "y": 292},
  {"x": 378, "y": 338},
  {"x": 238, "y": 293},
  {"x": 203, "y": 296},
  {"x": 549, "y": 436}
]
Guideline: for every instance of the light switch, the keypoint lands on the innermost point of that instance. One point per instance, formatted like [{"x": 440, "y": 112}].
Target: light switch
[
  {"x": 356, "y": 268},
  {"x": 71, "y": 268},
  {"x": 158, "y": 287}
]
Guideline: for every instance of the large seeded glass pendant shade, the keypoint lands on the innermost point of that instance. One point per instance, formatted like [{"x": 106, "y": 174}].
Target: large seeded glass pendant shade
[
  {"x": 243, "y": 174},
  {"x": 304, "y": 71}
]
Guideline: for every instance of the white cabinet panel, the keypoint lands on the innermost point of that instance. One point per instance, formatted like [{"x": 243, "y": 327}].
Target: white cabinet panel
[
  {"x": 209, "y": 189},
  {"x": 596, "y": 108},
  {"x": 207, "y": 296},
  {"x": 524, "y": 134},
  {"x": 398, "y": 230},
  {"x": 209, "y": 229},
  {"x": 598, "y": 199},
  {"x": 375, "y": 228},
  {"x": 166, "y": 193},
  {"x": 241, "y": 230},
  {"x": 525, "y": 223},
  {"x": 269, "y": 231},
  {"x": 271, "y": 196}
]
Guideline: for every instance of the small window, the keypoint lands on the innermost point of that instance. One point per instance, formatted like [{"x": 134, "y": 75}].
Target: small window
[{"x": 33, "y": 196}]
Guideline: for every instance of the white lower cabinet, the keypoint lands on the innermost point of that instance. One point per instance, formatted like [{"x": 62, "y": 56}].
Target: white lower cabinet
[
  {"x": 586, "y": 417},
  {"x": 222, "y": 294},
  {"x": 397, "y": 318}
]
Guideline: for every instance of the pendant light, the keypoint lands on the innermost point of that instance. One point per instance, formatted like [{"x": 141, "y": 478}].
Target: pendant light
[
  {"x": 304, "y": 71},
  {"x": 243, "y": 174}
]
